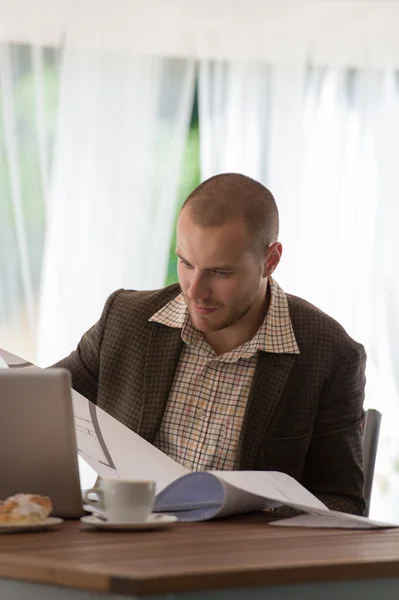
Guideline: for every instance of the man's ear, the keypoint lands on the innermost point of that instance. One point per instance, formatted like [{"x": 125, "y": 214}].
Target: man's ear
[{"x": 272, "y": 258}]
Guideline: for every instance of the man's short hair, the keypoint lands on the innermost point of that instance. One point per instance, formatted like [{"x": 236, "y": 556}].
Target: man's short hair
[{"x": 231, "y": 196}]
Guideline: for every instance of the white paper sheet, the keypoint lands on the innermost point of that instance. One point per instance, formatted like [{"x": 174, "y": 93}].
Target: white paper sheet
[
  {"x": 12, "y": 361},
  {"x": 278, "y": 487},
  {"x": 333, "y": 520},
  {"x": 113, "y": 450}
]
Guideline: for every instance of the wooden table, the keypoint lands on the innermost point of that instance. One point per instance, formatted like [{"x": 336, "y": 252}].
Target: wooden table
[{"x": 244, "y": 554}]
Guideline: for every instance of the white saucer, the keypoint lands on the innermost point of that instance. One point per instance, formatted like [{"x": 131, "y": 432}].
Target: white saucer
[
  {"x": 16, "y": 527},
  {"x": 155, "y": 521}
]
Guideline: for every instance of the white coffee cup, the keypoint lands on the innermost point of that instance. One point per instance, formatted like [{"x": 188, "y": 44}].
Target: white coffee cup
[{"x": 122, "y": 500}]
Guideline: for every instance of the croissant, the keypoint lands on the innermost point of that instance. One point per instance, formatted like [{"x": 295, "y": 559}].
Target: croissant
[{"x": 25, "y": 508}]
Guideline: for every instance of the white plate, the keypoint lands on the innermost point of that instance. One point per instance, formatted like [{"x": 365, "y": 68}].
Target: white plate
[
  {"x": 155, "y": 521},
  {"x": 16, "y": 527}
]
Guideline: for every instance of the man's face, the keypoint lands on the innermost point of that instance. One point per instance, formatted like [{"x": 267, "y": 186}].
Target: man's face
[{"x": 220, "y": 275}]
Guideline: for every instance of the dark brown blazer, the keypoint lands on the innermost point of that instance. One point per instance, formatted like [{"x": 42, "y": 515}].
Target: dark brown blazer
[{"x": 304, "y": 413}]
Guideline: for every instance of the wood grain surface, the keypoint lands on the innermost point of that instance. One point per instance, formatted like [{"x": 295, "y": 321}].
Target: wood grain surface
[{"x": 230, "y": 553}]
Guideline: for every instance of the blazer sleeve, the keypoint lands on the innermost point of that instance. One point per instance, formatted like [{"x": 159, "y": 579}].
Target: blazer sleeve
[
  {"x": 334, "y": 464},
  {"x": 84, "y": 362}
]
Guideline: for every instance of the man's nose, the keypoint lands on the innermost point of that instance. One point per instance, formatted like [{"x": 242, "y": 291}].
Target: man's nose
[{"x": 198, "y": 288}]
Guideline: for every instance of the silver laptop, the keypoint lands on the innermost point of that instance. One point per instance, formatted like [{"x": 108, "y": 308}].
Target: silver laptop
[{"x": 38, "y": 452}]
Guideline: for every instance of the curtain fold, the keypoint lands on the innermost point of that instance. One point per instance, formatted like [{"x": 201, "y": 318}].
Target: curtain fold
[
  {"x": 28, "y": 100},
  {"x": 121, "y": 131},
  {"x": 326, "y": 142}
]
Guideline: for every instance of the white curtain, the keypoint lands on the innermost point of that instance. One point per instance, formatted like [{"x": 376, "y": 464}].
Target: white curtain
[
  {"x": 28, "y": 100},
  {"x": 329, "y": 32},
  {"x": 122, "y": 127},
  {"x": 326, "y": 142}
]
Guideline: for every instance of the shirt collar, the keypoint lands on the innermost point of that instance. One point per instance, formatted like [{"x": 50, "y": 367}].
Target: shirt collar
[{"x": 275, "y": 335}]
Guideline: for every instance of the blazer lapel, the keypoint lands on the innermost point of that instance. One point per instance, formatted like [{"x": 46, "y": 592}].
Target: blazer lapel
[
  {"x": 163, "y": 353},
  {"x": 271, "y": 374}
]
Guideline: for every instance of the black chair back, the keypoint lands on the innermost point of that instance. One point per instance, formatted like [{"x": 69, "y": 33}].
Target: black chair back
[{"x": 371, "y": 435}]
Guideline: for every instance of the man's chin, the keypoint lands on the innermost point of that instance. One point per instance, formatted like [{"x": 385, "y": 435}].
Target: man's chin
[
  {"x": 207, "y": 328},
  {"x": 203, "y": 324}
]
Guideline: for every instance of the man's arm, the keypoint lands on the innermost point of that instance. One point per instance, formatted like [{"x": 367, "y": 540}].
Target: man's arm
[
  {"x": 334, "y": 464},
  {"x": 84, "y": 362}
]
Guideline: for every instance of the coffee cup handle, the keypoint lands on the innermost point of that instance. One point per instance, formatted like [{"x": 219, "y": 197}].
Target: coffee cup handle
[{"x": 99, "y": 503}]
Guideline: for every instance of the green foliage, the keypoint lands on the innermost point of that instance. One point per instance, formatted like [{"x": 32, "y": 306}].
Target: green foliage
[{"x": 190, "y": 178}]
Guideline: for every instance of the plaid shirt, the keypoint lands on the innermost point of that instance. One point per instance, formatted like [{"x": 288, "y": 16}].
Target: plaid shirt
[{"x": 202, "y": 422}]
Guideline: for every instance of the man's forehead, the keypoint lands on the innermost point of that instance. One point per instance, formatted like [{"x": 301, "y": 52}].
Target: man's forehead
[
  {"x": 210, "y": 255},
  {"x": 231, "y": 226}
]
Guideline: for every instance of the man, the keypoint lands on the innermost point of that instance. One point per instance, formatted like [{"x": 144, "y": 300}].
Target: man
[{"x": 226, "y": 371}]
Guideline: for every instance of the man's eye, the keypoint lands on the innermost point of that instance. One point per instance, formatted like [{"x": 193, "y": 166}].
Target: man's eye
[{"x": 222, "y": 273}]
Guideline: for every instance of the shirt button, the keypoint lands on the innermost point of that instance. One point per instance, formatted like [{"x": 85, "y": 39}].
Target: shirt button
[
  {"x": 187, "y": 464},
  {"x": 200, "y": 412}
]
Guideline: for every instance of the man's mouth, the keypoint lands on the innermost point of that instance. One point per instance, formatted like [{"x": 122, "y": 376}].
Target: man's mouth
[{"x": 204, "y": 310}]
